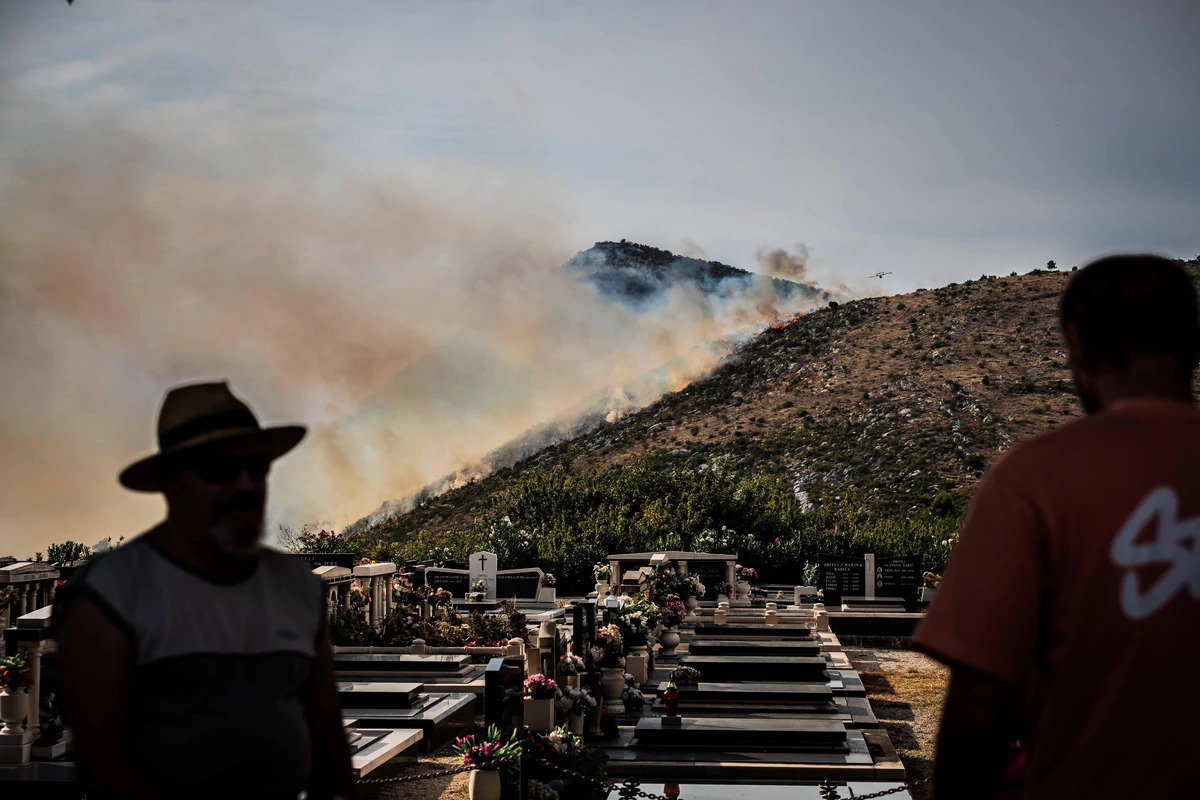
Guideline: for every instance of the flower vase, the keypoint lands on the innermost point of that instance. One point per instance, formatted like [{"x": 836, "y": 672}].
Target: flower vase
[
  {"x": 539, "y": 714},
  {"x": 636, "y": 663},
  {"x": 602, "y": 589},
  {"x": 612, "y": 681},
  {"x": 692, "y": 604},
  {"x": 484, "y": 784},
  {"x": 14, "y": 707},
  {"x": 573, "y": 681},
  {"x": 575, "y": 724},
  {"x": 669, "y": 639},
  {"x": 743, "y": 590}
]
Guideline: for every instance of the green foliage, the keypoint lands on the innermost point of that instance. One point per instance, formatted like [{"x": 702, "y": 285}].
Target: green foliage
[{"x": 66, "y": 552}]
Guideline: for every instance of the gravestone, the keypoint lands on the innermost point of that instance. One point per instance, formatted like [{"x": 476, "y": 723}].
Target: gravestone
[
  {"x": 898, "y": 577},
  {"x": 524, "y": 584},
  {"x": 483, "y": 568},
  {"x": 503, "y": 693},
  {"x": 314, "y": 560},
  {"x": 456, "y": 581},
  {"x": 759, "y": 668},
  {"x": 841, "y": 575}
]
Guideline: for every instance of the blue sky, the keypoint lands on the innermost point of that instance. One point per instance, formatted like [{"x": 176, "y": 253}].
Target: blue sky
[{"x": 307, "y": 197}]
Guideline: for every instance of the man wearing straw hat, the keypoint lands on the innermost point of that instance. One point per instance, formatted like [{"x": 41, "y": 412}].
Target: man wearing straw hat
[{"x": 195, "y": 662}]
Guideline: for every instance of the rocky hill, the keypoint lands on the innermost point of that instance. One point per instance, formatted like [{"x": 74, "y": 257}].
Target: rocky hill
[{"x": 894, "y": 399}]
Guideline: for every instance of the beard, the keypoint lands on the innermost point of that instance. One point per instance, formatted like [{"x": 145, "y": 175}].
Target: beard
[{"x": 239, "y": 532}]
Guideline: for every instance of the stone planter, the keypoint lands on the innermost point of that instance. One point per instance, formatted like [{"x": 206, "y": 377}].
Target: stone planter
[
  {"x": 601, "y": 589},
  {"x": 574, "y": 681},
  {"x": 484, "y": 784},
  {"x": 927, "y": 594},
  {"x": 743, "y": 590},
  {"x": 539, "y": 715},
  {"x": 548, "y": 595},
  {"x": 612, "y": 682},
  {"x": 636, "y": 663},
  {"x": 14, "y": 706},
  {"x": 575, "y": 724},
  {"x": 692, "y": 604},
  {"x": 669, "y": 639}
]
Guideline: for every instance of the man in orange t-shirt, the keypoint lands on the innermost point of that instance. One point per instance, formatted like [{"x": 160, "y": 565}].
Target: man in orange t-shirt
[{"x": 1070, "y": 610}]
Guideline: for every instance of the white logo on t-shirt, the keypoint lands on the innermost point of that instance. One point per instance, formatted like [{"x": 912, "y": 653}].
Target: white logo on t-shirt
[{"x": 1176, "y": 543}]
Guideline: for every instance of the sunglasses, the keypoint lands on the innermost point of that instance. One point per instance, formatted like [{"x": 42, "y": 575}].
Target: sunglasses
[{"x": 224, "y": 470}]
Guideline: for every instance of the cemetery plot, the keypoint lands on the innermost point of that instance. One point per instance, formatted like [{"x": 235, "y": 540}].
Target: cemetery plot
[
  {"x": 398, "y": 665},
  {"x": 725, "y": 647},
  {"x": 898, "y": 577},
  {"x": 840, "y": 576},
  {"x": 803, "y": 735},
  {"x": 760, "y": 668},
  {"x": 716, "y": 791},
  {"x": 712, "y": 630}
]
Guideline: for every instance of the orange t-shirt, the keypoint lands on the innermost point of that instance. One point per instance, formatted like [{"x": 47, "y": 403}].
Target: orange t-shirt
[{"x": 1077, "y": 576}]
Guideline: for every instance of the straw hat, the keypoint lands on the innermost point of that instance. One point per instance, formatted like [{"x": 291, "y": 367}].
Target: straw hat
[{"x": 206, "y": 414}]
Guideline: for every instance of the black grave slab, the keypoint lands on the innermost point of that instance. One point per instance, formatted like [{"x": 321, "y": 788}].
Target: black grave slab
[
  {"x": 441, "y": 718},
  {"x": 400, "y": 664},
  {"x": 706, "y": 733},
  {"x": 726, "y": 647},
  {"x": 456, "y": 583},
  {"x": 709, "y": 630},
  {"x": 759, "y": 668},
  {"x": 839, "y": 576},
  {"x": 518, "y": 584},
  {"x": 710, "y": 691},
  {"x": 379, "y": 695}
]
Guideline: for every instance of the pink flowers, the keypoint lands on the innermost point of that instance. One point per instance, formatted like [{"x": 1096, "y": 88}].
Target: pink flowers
[
  {"x": 492, "y": 752},
  {"x": 539, "y": 687}
]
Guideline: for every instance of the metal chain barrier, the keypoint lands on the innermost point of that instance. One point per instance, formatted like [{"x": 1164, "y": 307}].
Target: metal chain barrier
[{"x": 410, "y": 778}]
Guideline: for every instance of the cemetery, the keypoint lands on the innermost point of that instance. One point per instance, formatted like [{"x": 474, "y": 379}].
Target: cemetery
[{"x": 659, "y": 677}]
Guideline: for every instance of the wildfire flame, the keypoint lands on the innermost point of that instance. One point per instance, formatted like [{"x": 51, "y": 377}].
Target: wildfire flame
[{"x": 780, "y": 324}]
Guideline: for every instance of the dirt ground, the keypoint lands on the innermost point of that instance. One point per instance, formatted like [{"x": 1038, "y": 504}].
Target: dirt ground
[{"x": 905, "y": 689}]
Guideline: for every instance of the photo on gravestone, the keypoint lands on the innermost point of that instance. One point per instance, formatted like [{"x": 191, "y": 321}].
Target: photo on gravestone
[
  {"x": 898, "y": 577},
  {"x": 523, "y": 585},
  {"x": 456, "y": 583},
  {"x": 711, "y": 574},
  {"x": 841, "y": 576}
]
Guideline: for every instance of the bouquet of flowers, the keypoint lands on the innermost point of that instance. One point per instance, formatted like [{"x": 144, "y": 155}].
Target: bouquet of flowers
[
  {"x": 575, "y": 701},
  {"x": 637, "y": 619},
  {"x": 673, "y": 612},
  {"x": 632, "y": 696},
  {"x": 573, "y": 665},
  {"x": 685, "y": 676},
  {"x": 725, "y": 588},
  {"x": 606, "y": 651},
  {"x": 539, "y": 687},
  {"x": 668, "y": 581},
  {"x": 548, "y": 580},
  {"x": 424, "y": 593},
  {"x": 490, "y": 752},
  {"x": 479, "y": 586},
  {"x": 931, "y": 580},
  {"x": 401, "y": 589},
  {"x": 747, "y": 574},
  {"x": 441, "y": 596},
  {"x": 603, "y": 572},
  {"x": 15, "y": 673}
]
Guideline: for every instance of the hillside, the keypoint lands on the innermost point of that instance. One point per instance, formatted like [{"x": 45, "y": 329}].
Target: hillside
[{"x": 889, "y": 400}]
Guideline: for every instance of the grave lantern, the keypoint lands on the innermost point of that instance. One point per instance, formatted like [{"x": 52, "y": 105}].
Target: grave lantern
[{"x": 671, "y": 700}]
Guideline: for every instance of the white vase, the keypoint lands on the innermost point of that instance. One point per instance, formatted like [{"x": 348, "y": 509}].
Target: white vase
[
  {"x": 692, "y": 604},
  {"x": 539, "y": 715},
  {"x": 575, "y": 724},
  {"x": 636, "y": 663},
  {"x": 484, "y": 784},
  {"x": 612, "y": 681},
  {"x": 669, "y": 639},
  {"x": 14, "y": 706},
  {"x": 549, "y": 594}
]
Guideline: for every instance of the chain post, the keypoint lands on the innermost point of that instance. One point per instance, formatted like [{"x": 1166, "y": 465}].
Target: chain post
[
  {"x": 630, "y": 789},
  {"x": 828, "y": 791}
]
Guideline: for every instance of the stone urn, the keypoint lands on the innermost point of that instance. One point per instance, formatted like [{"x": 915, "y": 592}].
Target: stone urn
[
  {"x": 669, "y": 639},
  {"x": 484, "y": 784},
  {"x": 539, "y": 714},
  {"x": 743, "y": 590},
  {"x": 612, "y": 682},
  {"x": 692, "y": 604},
  {"x": 14, "y": 707},
  {"x": 575, "y": 724},
  {"x": 602, "y": 589}
]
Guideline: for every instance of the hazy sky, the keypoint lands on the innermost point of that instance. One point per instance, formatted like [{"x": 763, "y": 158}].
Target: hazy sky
[{"x": 307, "y": 196}]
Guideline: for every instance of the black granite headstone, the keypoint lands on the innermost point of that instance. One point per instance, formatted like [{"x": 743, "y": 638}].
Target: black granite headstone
[
  {"x": 898, "y": 577},
  {"x": 840, "y": 576},
  {"x": 456, "y": 583},
  {"x": 315, "y": 560},
  {"x": 503, "y": 693},
  {"x": 525, "y": 585}
]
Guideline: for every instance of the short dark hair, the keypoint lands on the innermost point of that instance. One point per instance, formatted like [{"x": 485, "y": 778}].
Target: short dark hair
[{"x": 1123, "y": 305}]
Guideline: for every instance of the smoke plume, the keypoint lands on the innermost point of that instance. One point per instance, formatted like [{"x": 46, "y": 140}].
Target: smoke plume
[{"x": 779, "y": 263}]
